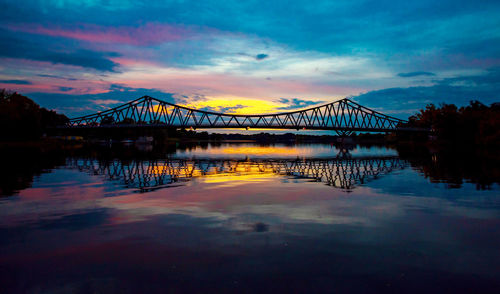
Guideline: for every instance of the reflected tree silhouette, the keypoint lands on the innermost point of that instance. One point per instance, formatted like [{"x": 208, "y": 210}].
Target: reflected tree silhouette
[
  {"x": 454, "y": 166},
  {"x": 150, "y": 170},
  {"x": 21, "y": 164}
]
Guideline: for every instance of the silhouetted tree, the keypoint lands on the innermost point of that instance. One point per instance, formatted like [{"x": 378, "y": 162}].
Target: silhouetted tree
[
  {"x": 22, "y": 118},
  {"x": 108, "y": 120},
  {"x": 472, "y": 124},
  {"x": 127, "y": 121}
]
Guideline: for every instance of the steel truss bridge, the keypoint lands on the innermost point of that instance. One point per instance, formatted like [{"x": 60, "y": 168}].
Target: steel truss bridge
[
  {"x": 344, "y": 116},
  {"x": 147, "y": 175}
]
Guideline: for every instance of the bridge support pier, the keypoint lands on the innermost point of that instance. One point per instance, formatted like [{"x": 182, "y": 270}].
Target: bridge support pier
[{"x": 343, "y": 133}]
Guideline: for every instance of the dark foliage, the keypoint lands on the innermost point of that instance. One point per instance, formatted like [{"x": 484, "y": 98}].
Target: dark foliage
[
  {"x": 454, "y": 165},
  {"x": 21, "y": 118},
  {"x": 20, "y": 164},
  {"x": 475, "y": 124}
]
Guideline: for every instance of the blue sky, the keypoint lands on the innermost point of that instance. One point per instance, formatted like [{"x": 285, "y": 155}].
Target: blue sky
[{"x": 251, "y": 56}]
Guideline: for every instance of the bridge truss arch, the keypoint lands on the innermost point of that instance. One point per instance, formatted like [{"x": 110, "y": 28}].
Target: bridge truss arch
[{"x": 344, "y": 116}]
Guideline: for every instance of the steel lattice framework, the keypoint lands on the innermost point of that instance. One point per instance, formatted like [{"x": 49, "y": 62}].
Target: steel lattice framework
[
  {"x": 343, "y": 116},
  {"x": 154, "y": 174}
]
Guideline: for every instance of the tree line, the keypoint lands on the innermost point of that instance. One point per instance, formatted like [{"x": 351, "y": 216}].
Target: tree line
[
  {"x": 474, "y": 124},
  {"x": 22, "y": 119}
]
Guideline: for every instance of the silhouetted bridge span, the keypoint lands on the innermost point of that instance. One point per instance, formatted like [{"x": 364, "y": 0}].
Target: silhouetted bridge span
[
  {"x": 154, "y": 174},
  {"x": 344, "y": 116}
]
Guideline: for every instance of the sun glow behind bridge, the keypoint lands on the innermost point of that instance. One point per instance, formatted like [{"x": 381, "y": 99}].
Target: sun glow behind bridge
[
  {"x": 344, "y": 116},
  {"x": 239, "y": 105}
]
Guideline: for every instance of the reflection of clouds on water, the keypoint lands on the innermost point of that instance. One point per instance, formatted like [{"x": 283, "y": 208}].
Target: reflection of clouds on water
[
  {"x": 239, "y": 197},
  {"x": 96, "y": 219},
  {"x": 296, "y": 209},
  {"x": 226, "y": 180},
  {"x": 256, "y": 220},
  {"x": 238, "y": 200},
  {"x": 276, "y": 151}
]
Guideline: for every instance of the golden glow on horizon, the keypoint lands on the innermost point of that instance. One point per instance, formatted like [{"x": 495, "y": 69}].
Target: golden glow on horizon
[
  {"x": 231, "y": 105},
  {"x": 228, "y": 106},
  {"x": 236, "y": 172},
  {"x": 237, "y": 105},
  {"x": 259, "y": 150},
  {"x": 233, "y": 179},
  {"x": 242, "y": 172}
]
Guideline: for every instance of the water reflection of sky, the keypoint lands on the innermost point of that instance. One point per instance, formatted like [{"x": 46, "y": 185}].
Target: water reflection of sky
[
  {"x": 74, "y": 230},
  {"x": 278, "y": 151}
]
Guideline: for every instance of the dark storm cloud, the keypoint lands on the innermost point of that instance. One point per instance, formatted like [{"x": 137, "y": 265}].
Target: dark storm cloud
[
  {"x": 16, "y": 82},
  {"x": 415, "y": 74},
  {"x": 295, "y": 103}
]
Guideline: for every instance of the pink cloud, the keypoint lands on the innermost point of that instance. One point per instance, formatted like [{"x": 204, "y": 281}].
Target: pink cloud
[
  {"x": 28, "y": 88},
  {"x": 132, "y": 62},
  {"x": 52, "y": 78},
  {"x": 148, "y": 34},
  {"x": 40, "y": 86},
  {"x": 239, "y": 86}
]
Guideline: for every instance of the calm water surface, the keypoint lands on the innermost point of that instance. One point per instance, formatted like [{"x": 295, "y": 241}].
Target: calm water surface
[{"x": 247, "y": 218}]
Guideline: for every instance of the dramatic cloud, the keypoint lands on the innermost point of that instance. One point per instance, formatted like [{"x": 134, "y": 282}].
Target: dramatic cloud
[
  {"x": 231, "y": 56},
  {"x": 53, "y": 52}
]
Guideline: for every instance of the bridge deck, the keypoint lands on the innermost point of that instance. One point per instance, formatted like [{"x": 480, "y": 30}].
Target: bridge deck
[{"x": 343, "y": 116}]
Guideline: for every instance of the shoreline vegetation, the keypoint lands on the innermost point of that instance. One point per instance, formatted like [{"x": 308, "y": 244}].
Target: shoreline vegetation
[
  {"x": 461, "y": 148},
  {"x": 22, "y": 121},
  {"x": 452, "y": 167}
]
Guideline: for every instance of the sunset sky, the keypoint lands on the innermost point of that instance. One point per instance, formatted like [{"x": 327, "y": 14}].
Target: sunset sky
[{"x": 78, "y": 57}]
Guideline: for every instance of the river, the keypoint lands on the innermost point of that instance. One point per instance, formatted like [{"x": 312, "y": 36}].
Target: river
[{"x": 246, "y": 217}]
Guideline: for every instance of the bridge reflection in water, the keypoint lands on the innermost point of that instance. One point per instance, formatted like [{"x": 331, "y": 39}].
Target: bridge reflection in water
[{"x": 147, "y": 175}]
